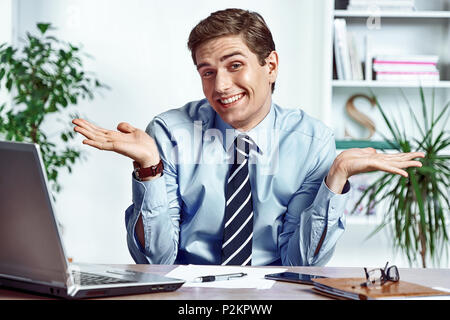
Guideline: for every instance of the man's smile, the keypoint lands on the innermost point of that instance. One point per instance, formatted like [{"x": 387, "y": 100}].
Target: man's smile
[{"x": 231, "y": 101}]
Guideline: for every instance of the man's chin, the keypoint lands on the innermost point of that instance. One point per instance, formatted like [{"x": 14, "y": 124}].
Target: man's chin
[
  {"x": 233, "y": 117},
  {"x": 227, "y": 118}
]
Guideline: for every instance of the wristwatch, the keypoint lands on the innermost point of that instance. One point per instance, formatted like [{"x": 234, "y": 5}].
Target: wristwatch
[{"x": 141, "y": 173}]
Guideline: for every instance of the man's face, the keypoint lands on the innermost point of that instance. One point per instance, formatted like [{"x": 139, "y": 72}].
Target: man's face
[{"x": 235, "y": 84}]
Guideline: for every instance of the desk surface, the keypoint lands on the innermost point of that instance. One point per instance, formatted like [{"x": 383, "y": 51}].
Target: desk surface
[{"x": 279, "y": 291}]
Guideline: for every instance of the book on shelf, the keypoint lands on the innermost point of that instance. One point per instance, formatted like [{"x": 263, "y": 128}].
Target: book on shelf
[
  {"x": 408, "y": 58},
  {"x": 406, "y": 67},
  {"x": 341, "y": 50},
  {"x": 355, "y": 61},
  {"x": 403, "y": 67},
  {"x": 382, "y": 5},
  {"x": 341, "y": 4},
  {"x": 407, "y": 76},
  {"x": 348, "y": 62},
  {"x": 350, "y": 288},
  {"x": 368, "y": 58}
]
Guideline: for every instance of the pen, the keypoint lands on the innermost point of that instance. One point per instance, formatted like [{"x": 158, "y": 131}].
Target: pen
[{"x": 220, "y": 277}]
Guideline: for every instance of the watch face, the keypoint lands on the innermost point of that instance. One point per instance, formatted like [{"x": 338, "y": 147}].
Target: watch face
[{"x": 136, "y": 174}]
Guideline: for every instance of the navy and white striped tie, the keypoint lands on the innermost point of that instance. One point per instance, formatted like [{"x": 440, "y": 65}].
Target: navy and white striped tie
[{"x": 238, "y": 228}]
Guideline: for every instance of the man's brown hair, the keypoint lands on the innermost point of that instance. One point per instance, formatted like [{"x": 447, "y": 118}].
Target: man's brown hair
[{"x": 249, "y": 25}]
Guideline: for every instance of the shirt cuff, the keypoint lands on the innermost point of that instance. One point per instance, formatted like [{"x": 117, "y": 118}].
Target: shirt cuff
[
  {"x": 149, "y": 195},
  {"x": 331, "y": 202}
]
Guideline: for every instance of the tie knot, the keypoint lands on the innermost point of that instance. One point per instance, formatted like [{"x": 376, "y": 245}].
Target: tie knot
[{"x": 242, "y": 145}]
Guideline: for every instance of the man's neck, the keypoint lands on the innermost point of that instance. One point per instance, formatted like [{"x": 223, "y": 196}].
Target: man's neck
[{"x": 245, "y": 127}]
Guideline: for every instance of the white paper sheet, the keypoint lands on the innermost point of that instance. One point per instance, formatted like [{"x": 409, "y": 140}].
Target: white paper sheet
[{"x": 254, "y": 278}]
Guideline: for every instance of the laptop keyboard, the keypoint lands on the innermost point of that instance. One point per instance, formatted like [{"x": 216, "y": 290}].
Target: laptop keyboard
[{"x": 92, "y": 279}]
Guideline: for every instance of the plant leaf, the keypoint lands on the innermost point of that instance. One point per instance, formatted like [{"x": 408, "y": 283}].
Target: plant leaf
[
  {"x": 424, "y": 108},
  {"x": 412, "y": 113},
  {"x": 43, "y": 27},
  {"x": 420, "y": 203},
  {"x": 386, "y": 120}
]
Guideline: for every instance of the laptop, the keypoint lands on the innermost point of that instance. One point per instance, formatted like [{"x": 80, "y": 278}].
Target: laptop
[{"x": 32, "y": 255}]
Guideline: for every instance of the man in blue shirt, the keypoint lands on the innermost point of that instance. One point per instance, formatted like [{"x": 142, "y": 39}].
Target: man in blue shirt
[{"x": 235, "y": 178}]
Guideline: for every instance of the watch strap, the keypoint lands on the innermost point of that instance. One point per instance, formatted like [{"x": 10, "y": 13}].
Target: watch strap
[{"x": 151, "y": 171}]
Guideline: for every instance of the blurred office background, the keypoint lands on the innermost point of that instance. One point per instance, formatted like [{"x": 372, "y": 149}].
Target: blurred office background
[{"x": 139, "y": 50}]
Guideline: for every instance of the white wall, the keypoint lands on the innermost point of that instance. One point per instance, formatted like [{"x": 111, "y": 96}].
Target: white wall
[
  {"x": 5, "y": 34},
  {"x": 5, "y": 21}
]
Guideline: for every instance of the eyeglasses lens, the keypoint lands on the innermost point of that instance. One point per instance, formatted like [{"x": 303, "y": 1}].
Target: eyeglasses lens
[
  {"x": 374, "y": 277},
  {"x": 392, "y": 274}
]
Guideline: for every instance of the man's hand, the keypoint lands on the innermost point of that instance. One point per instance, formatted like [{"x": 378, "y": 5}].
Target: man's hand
[
  {"x": 128, "y": 141},
  {"x": 355, "y": 161}
]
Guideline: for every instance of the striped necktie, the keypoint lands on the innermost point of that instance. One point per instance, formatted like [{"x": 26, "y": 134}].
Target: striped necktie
[{"x": 238, "y": 228}]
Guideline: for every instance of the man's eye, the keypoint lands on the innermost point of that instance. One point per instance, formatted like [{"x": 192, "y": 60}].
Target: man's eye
[
  {"x": 235, "y": 66},
  {"x": 207, "y": 74}
]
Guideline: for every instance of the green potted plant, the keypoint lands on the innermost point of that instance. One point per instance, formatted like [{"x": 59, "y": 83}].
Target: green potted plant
[
  {"x": 45, "y": 77},
  {"x": 417, "y": 206}
]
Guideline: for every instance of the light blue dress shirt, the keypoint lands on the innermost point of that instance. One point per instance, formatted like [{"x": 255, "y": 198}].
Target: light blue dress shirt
[{"x": 297, "y": 219}]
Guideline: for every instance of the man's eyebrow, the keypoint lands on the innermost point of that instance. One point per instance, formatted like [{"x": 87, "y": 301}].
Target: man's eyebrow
[
  {"x": 235, "y": 53},
  {"x": 225, "y": 57},
  {"x": 201, "y": 65}
]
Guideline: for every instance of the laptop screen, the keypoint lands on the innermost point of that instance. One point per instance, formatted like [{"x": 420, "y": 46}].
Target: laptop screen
[{"x": 30, "y": 245}]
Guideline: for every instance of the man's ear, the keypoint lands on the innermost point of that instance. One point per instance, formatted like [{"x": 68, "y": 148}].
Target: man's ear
[{"x": 272, "y": 64}]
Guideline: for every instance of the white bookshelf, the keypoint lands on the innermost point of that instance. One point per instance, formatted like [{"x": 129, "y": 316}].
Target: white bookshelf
[{"x": 424, "y": 31}]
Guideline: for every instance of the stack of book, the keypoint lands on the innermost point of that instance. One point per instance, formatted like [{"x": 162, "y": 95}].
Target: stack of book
[
  {"x": 382, "y": 5},
  {"x": 348, "y": 62},
  {"x": 406, "y": 67}
]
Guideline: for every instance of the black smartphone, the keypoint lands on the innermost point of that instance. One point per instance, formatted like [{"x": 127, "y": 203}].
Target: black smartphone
[{"x": 293, "y": 277}]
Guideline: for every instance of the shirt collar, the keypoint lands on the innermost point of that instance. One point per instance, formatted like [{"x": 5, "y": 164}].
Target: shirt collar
[{"x": 262, "y": 134}]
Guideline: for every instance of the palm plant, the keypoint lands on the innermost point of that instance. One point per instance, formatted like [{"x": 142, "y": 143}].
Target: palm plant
[{"x": 418, "y": 206}]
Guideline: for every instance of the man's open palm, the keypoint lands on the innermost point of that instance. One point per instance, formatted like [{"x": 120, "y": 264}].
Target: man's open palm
[
  {"x": 128, "y": 141},
  {"x": 368, "y": 159}
]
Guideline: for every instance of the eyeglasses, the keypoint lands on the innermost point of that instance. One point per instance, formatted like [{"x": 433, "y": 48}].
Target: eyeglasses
[{"x": 378, "y": 277}]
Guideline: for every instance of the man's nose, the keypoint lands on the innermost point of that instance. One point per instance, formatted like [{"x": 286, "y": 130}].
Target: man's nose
[{"x": 223, "y": 82}]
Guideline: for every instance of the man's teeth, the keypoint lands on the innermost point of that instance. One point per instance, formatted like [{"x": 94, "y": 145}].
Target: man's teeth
[{"x": 232, "y": 99}]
